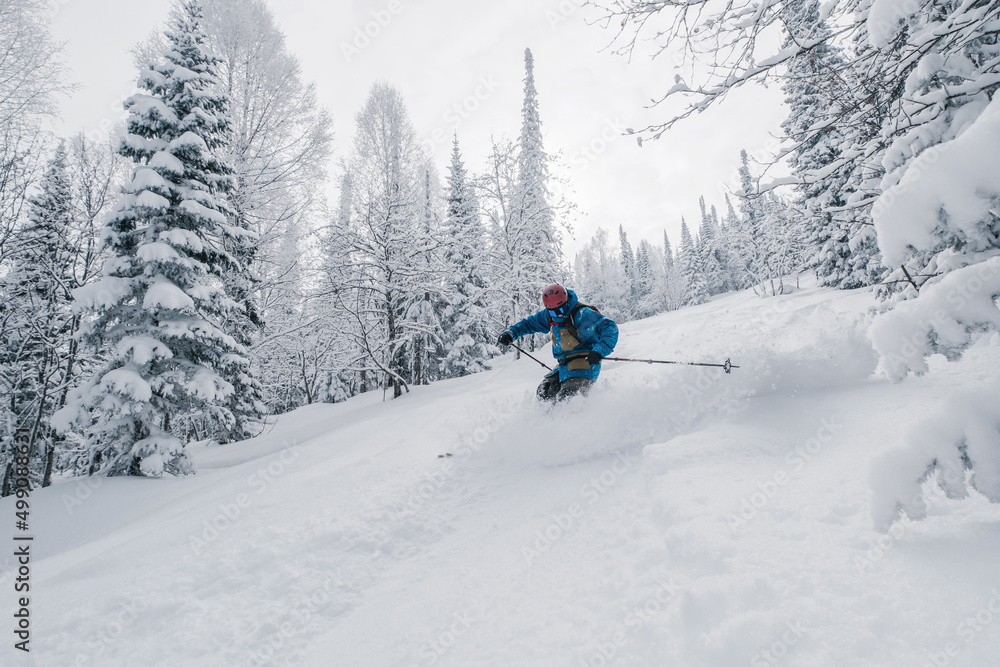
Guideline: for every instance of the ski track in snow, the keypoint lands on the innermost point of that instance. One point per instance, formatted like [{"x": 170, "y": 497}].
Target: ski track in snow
[{"x": 677, "y": 516}]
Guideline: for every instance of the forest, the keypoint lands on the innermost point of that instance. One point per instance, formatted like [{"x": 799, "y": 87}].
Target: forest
[{"x": 185, "y": 277}]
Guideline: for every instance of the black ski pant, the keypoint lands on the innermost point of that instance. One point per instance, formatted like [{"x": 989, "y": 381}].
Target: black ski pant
[{"x": 551, "y": 389}]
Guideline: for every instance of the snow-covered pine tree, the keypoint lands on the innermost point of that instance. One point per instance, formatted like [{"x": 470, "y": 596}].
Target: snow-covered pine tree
[
  {"x": 708, "y": 248},
  {"x": 691, "y": 269},
  {"x": 627, "y": 258},
  {"x": 668, "y": 251},
  {"x": 758, "y": 236},
  {"x": 159, "y": 311},
  {"x": 735, "y": 274},
  {"x": 534, "y": 212},
  {"x": 644, "y": 280},
  {"x": 815, "y": 95},
  {"x": 723, "y": 253},
  {"x": 467, "y": 321}
]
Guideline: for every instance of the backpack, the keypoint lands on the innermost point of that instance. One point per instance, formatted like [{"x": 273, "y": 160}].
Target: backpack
[{"x": 571, "y": 325}]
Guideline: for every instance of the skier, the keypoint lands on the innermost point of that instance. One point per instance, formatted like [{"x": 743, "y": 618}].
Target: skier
[{"x": 581, "y": 338}]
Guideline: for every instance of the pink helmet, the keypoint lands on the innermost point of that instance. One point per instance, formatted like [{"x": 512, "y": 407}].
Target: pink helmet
[{"x": 554, "y": 296}]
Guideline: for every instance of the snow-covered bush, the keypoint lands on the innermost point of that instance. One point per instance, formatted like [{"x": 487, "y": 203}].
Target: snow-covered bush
[
  {"x": 961, "y": 444},
  {"x": 949, "y": 315},
  {"x": 957, "y": 448}
]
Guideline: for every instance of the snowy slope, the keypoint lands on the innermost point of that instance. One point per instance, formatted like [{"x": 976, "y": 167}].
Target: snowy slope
[{"x": 678, "y": 516}]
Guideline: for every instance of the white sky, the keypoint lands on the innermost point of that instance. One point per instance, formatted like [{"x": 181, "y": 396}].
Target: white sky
[{"x": 442, "y": 53}]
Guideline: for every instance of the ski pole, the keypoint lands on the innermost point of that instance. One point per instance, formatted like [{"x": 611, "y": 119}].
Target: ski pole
[
  {"x": 529, "y": 356},
  {"x": 728, "y": 365}
]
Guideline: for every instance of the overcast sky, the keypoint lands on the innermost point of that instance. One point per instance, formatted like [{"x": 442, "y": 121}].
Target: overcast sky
[{"x": 460, "y": 65}]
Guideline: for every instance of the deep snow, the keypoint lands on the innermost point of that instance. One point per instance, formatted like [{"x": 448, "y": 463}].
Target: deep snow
[{"x": 677, "y": 516}]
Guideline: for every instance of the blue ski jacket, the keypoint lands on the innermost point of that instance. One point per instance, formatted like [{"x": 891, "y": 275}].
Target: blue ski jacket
[{"x": 593, "y": 333}]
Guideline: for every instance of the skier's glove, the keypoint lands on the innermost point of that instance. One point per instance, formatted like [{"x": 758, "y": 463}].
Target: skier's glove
[
  {"x": 593, "y": 358},
  {"x": 505, "y": 338}
]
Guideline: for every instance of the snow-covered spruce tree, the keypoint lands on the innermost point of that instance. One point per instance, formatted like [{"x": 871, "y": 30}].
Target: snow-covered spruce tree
[
  {"x": 668, "y": 252},
  {"x": 279, "y": 140},
  {"x": 35, "y": 363},
  {"x": 158, "y": 312},
  {"x": 814, "y": 94},
  {"x": 762, "y": 237},
  {"x": 736, "y": 275},
  {"x": 466, "y": 322},
  {"x": 534, "y": 212},
  {"x": 644, "y": 280},
  {"x": 918, "y": 76},
  {"x": 713, "y": 271},
  {"x": 691, "y": 269},
  {"x": 627, "y": 258}
]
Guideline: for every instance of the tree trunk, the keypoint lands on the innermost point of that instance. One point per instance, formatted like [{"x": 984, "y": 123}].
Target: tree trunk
[
  {"x": 397, "y": 389},
  {"x": 50, "y": 456}
]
